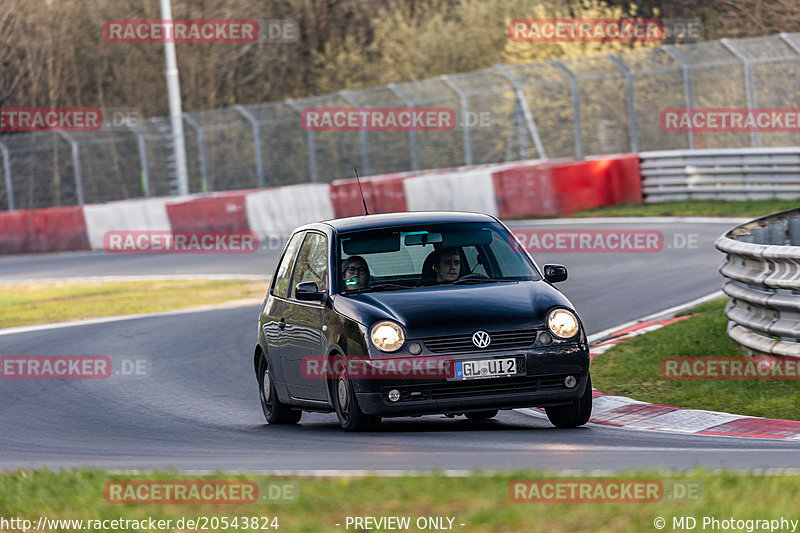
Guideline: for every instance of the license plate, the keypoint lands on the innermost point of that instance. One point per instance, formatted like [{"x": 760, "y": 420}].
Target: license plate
[{"x": 486, "y": 368}]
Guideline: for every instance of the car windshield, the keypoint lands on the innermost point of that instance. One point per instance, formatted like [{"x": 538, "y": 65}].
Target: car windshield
[{"x": 404, "y": 257}]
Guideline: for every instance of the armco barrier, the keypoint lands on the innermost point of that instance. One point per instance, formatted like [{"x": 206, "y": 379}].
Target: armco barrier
[
  {"x": 762, "y": 274},
  {"x": 52, "y": 229},
  {"x": 722, "y": 174}
]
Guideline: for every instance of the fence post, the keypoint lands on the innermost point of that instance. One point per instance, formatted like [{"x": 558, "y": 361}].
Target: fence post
[
  {"x": 362, "y": 135},
  {"x": 688, "y": 91},
  {"x": 7, "y": 172},
  {"x": 76, "y": 164},
  {"x": 412, "y": 134},
  {"x": 142, "y": 159},
  {"x": 634, "y": 129},
  {"x": 576, "y": 106},
  {"x": 201, "y": 148},
  {"x": 464, "y": 122},
  {"x": 312, "y": 151},
  {"x": 748, "y": 82},
  {"x": 256, "y": 143},
  {"x": 526, "y": 111}
]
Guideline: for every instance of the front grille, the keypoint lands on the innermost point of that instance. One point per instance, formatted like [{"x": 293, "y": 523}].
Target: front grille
[
  {"x": 482, "y": 387},
  {"x": 463, "y": 341}
]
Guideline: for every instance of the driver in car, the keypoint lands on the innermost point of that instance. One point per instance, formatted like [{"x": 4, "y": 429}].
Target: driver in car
[
  {"x": 447, "y": 265},
  {"x": 355, "y": 273}
]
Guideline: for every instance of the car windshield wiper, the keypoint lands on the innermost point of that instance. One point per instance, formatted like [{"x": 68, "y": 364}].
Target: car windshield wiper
[
  {"x": 478, "y": 280},
  {"x": 381, "y": 287},
  {"x": 389, "y": 286}
]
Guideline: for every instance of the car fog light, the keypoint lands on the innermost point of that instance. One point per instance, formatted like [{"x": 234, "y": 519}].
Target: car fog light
[
  {"x": 545, "y": 338},
  {"x": 414, "y": 348},
  {"x": 570, "y": 382},
  {"x": 394, "y": 395}
]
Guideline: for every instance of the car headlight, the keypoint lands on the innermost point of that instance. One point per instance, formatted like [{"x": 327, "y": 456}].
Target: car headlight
[
  {"x": 562, "y": 323},
  {"x": 387, "y": 336}
]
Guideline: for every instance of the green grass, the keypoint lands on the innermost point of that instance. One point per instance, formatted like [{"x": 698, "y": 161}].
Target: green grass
[
  {"x": 705, "y": 208},
  {"x": 631, "y": 368},
  {"x": 481, "y": 502},
  {"x": 47, "y": 302}
]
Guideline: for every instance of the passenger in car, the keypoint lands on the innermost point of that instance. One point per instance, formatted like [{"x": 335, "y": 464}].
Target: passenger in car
[
  {"x": 447, "y": 265},
  {"x": 355, "y": 273}
]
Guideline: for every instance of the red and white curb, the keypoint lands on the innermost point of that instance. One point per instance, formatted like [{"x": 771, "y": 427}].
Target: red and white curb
[{"x": 627, "y": 413}]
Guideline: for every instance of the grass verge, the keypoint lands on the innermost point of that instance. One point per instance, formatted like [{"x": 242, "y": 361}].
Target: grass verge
[
  {"x": 47, "y": 302},
  {"x": 704, "y": 208},
  {"x": 480, "y": 502},
  {"x": 631, "y": 368}
]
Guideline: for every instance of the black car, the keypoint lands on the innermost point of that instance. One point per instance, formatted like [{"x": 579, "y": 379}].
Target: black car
[{"x": 407, "y": 314}]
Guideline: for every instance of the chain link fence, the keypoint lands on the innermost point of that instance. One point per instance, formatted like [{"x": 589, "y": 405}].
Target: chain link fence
[{"x": 558, "y": 109}]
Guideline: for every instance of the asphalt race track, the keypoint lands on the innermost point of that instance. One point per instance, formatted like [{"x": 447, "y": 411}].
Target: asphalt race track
[{"x": 198, "y": 407}]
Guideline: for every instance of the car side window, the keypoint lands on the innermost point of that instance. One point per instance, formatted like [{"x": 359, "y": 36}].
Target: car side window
[
  {"x": 312, "y": 262},
  {"x": 280, "y": 286}
]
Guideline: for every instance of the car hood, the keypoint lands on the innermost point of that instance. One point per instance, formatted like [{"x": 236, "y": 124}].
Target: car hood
[{"x": 449, "y": 309}]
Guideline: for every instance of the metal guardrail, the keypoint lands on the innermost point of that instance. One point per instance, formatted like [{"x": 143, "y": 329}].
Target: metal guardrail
[
  {"x": 724, "y": 174},
  {"x": 762, "y": 274}
]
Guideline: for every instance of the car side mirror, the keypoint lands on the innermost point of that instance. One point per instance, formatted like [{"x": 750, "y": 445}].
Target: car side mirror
[
  {"x": 308, "y": 292},
  {"x": 555, "y": 273}
]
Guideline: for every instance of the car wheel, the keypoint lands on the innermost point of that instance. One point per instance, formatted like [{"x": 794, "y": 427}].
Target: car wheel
[
  {"x": 573, "y": 414},
  {"x": 274, "y": 411},
  {"x": 482, "y": 415},
  {"x": 351, "y": 417}
]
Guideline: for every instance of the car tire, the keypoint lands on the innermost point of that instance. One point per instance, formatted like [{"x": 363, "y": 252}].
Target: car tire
[
  {"x": 482, "y": 415},
  {"x": 573, "y": 414},
  {"x": 350, "y": 415},
  {"x": 274, "y": 411}
]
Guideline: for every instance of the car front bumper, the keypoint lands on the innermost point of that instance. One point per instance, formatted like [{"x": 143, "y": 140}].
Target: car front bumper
[{"x": 542, "y": 384}]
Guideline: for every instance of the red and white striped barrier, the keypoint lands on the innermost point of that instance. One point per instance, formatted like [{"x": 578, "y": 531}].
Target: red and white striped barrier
[{"x": 509, "y": 190}]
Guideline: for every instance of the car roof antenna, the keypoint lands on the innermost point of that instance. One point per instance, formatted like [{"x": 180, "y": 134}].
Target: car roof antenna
[{"x": 366, "y": 212}]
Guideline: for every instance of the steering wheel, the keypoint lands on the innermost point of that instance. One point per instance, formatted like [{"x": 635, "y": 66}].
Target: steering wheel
[{"x": 474, "y": 275}]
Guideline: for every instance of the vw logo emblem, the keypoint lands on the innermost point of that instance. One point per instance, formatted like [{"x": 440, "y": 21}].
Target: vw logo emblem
[{"x": 481, "y": 339}]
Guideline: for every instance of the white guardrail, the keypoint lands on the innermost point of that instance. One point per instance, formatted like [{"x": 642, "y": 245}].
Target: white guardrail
[
  {"x": 762, "y": 274},
  {"x": 724, "y": 174}
]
